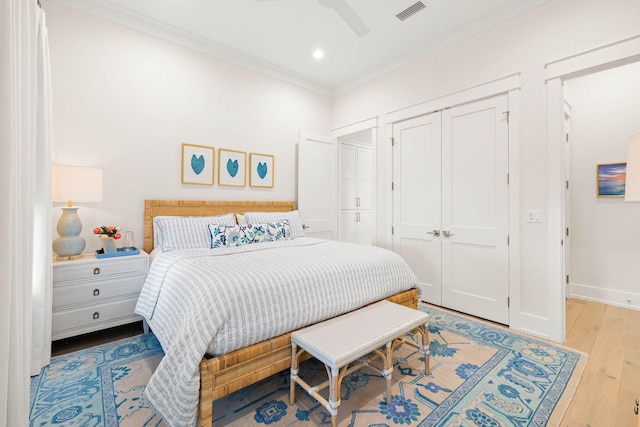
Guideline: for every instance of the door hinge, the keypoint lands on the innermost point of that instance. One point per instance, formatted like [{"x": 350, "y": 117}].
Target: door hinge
[
  {"x": 393, "y": 141},
  {"x": 567, "y": 231},
  {"x": 506, "y": 114},
  {"x": 566, "y": 137},
  {"x": 567, "y": 279},
  {"x": 392, "y": 230},
  {"x": 508, "y": 302},
  {"x": 508, "y": 239},
  {"x": 566, "y": 184},
  {"x": 392, "y": 186},
  {"x": 507, "y": 179}
]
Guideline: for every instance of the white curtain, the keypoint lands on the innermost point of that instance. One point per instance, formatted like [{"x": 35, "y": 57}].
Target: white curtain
[{"x": 25, "y": 211}]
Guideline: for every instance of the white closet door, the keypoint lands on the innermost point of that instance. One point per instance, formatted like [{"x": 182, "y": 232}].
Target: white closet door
[
  {"x": 416, "y": 200},
  {"x": 348, "y": 176},
  {"x": 365, "y": 178},
  {"x": 318, "y": 185},
  {"x": 475, "y": 260}
]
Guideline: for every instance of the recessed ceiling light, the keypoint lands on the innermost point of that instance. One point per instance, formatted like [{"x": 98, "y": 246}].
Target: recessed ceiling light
[{"x": 318, "y": 53}]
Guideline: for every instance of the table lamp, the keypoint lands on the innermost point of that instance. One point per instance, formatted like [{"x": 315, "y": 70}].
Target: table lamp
[
  {"x": 632, "y": 185},
  {"x": 73, "y": 184}
]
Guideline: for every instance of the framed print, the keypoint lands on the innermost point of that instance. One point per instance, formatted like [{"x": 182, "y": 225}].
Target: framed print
[
  {"x": 261, "y": 170},
  {"x": 197, "y": 164},
  {"x": 611, "y": 178},
  {"x": 231, "y": 167}
]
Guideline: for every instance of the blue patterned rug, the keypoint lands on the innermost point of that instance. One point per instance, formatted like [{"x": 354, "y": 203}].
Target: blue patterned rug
[{"x": 482, "y": 375}]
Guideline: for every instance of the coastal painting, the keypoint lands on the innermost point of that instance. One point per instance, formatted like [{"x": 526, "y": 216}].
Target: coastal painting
[{"x": 611, "y": 179}]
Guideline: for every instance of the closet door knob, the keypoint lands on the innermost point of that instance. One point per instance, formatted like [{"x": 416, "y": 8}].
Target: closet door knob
[
  {"x": 447, "y": 233},
  {"x": 436, "y": 233}
]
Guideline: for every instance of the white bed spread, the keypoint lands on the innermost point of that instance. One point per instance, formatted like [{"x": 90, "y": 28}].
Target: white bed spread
[{"x": 201, "y": 301}]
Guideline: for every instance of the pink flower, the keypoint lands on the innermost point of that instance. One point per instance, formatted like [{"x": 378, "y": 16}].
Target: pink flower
[{"x": 107, "y": 231}]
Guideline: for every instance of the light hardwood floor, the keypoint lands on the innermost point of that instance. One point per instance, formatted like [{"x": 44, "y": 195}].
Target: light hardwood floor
[{"x": 611, "y": 380}]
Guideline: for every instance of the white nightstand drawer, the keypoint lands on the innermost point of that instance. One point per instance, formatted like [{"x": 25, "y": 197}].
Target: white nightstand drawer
[
  {"x": 92, "y": 318},
  {"x": 92, "y": 268},
  {"x": 96, "y": 291}
]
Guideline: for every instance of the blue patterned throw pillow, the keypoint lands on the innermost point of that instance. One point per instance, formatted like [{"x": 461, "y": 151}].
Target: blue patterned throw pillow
[
  {"x": 230, "y": 235},
  {"x": 244, "y": 234},
  {"x": 272, "y": 231}
]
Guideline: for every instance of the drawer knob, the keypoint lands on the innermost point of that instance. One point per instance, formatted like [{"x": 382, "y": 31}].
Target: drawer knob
[
  {"x": 96, "y": 315},
  {"x": 96, "y": 292},
  {"x": 96, "y": 271}
]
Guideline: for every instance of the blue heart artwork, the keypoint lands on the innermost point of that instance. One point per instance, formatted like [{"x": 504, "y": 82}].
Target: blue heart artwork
[
  {"x": 232, "y": 167},
  {"x": 262, "y": 169},
  {"x": 197, "y": 163}
]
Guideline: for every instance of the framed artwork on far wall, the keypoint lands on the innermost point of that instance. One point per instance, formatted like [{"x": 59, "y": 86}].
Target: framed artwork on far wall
[
  {"x": 611, "y": 179},
  {"x": 232, "y": 167},
  {"x": 261, "y": 170},
  {"x": 197, "y": 164}
]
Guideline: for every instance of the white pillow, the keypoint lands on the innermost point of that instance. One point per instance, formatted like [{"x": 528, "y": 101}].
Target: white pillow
[
  {"x": 293, "y": 217},
  {"x": 188, "y": 232}
]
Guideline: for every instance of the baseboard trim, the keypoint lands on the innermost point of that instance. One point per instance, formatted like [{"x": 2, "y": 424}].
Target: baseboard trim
[{"x": 623, "y": 299}]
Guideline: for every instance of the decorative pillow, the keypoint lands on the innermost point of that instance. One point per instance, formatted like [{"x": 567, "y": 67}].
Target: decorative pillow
[
  {"x": 188, "y": 232},
  {"x": 272, "y": 231},
  {"x": 263, "y": 217},
  {"x": 230, "y": 235},
  {"x": 244, "y": 234}
]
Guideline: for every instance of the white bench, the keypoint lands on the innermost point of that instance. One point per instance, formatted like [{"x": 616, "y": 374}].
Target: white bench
[{"x": 340, "y": 341}]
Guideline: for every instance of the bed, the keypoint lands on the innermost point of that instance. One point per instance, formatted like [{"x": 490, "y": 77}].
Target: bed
[{"x": 223, "y": 374}]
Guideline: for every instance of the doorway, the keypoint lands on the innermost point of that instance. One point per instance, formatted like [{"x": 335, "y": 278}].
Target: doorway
[{"x": 558, "y": 72}]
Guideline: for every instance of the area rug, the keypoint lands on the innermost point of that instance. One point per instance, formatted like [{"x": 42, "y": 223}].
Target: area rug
[{"x": 481, "y": 375}]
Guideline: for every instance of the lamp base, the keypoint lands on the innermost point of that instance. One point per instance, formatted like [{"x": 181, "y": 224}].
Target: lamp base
[
  {"x": 69, "y": 243},
  {"x": 68, "y": 258}
]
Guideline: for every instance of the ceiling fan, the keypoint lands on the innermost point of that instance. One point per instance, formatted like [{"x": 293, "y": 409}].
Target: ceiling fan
[{"x": 347, "y": 13}]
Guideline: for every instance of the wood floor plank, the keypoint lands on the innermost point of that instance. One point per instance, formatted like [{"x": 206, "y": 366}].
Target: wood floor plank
[
  {"x": 585, "y": 328},
  {"x": 573, "y": 309},
  {"x": 630, "y": 380},
  {"x": 603, "y": 331}
]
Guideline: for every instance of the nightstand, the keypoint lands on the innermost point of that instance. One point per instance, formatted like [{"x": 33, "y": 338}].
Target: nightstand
[{"x": 90, "y": 294}]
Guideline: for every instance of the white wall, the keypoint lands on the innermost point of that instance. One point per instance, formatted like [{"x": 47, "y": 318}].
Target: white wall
[
  {"x": 605, "y": 236},
  {"x": 125, "y": 102},
  {"x": 524, "y": 44}
]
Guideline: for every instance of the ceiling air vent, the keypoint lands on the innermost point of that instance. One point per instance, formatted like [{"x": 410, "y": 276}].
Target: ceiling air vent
[{"x": 410, "y": 11}]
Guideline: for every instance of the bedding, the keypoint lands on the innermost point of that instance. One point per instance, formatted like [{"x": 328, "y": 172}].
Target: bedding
[{"x": 215, "y": 301}]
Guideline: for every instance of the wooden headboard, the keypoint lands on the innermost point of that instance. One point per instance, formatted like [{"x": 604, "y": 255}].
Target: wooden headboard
[{"x": 153, "y": 208}]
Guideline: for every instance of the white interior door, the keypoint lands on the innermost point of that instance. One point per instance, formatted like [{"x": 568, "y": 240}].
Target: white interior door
[
  {"x": 475, "y": 259},
  {"x": 416, "y": 200},
  {"x": 318, "y": 185}
]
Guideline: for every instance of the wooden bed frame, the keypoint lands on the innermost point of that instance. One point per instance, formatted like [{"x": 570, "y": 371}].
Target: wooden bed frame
[{"x": 225, "y": 374}]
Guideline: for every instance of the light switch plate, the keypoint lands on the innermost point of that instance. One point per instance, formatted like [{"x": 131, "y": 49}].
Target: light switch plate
[{"x": 534, "y": 215}]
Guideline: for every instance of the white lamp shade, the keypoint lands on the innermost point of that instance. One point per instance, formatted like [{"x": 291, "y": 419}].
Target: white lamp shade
[
  {"x": 632, "y": 186},
  {"x": 76, "y": 183}
]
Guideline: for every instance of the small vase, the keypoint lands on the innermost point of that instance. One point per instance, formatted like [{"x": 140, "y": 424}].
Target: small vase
[{"x": 109, "y": 245}]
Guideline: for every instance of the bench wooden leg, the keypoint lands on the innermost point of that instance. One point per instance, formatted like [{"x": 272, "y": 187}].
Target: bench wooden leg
[
  {"x": 424, "y": 331},
  {"x": 388, "y": 370},
  {"x": 294, "y": 374}
]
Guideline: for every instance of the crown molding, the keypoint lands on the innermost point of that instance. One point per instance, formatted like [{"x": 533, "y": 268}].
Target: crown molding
[{"x": 105, "y": 10}]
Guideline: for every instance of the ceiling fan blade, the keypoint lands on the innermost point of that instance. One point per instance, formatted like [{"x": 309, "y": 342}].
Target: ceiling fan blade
[{"x": 348, "y": 15}]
